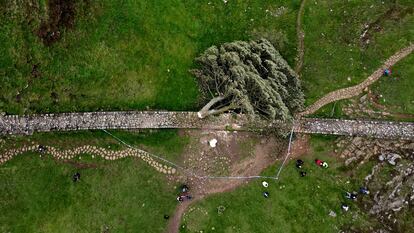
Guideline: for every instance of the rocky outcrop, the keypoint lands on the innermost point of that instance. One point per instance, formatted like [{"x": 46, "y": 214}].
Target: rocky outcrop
[{"x": 391, "y": 180}]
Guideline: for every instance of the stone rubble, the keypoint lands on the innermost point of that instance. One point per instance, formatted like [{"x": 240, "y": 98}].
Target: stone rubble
[{"x": 91, "y": 150}]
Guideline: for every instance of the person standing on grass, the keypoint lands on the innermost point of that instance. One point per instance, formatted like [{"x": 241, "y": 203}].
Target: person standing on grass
[
  {"x": 364, "y": 190},
  {"x": 345, "y": 207},
  {"x": 76, "y": 177},
  {"x": 299, "y": 163},
  {"x": 318, "y": 162},
  {"x": 351, "y": 196}
]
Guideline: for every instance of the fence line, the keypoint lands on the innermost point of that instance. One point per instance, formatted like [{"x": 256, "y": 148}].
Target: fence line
[{"x": 192, "y": 173}]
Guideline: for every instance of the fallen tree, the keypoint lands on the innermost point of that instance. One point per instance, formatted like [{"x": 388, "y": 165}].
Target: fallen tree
[{"x": 248, "y": 77}]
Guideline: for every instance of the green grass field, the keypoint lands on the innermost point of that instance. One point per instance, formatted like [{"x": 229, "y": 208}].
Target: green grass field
[
  {"x": 38, "y": 194},
  {"x": 333, "y": 49},
  {"x": 126, "y": 54},
  {"x": 296, "y": 204},
  {"x": 396, "y": 90}
]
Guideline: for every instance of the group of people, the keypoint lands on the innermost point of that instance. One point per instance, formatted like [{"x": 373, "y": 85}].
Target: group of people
[
  {"x": 300, "y": 163},
  {"x": 348, "y": 195},
  {"x": 184, "y": 194},
  {"x": 353, "y": 196},
  {"x": 265, "y": 193}
]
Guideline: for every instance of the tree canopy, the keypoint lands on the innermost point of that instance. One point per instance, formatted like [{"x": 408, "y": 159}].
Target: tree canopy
[{"x": 249, "y": 77}]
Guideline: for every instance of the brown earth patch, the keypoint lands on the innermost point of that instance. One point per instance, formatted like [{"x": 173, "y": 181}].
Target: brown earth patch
[
  {"x": 301, "y": 146},
  {"x": 395, "y": 13},
  {"x": 61, "y": 14},
  {"x": 240, "y": 161}
]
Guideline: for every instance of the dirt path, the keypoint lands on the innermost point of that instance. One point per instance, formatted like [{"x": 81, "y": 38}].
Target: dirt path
[
  {"x": 349, "y": 92},
  {"x": 265, "y": 153},
  {"x": 300, "y": 37},
  {"x": 175, "y": 221}
]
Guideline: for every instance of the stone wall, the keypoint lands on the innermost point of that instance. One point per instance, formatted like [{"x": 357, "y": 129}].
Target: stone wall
[
  {"x": 12, "y": 124},
  {"x": 369, "y": 128}
]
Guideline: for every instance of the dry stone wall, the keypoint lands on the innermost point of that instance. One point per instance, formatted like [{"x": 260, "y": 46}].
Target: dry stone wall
[
  {"x": 370, "y": 128},
  {"x": 13, "y": 124},
  {"x": 158, "y": 120}
]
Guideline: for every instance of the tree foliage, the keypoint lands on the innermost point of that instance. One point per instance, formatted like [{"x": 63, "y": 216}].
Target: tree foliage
[{"x": 250, "y": 77}]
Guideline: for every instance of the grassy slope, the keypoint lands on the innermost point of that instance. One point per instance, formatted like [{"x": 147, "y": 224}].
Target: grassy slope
[
  {"x": 38, "y": 195},
  {"x": 125, "y": 54},
  {"x": 397, "y": 90},
  {"x": 332, "y": 47},
  {"x": 295, "y": 205}
]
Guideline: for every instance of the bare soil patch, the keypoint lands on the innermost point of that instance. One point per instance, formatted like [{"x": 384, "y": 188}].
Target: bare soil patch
[
  {"x": 395, "y": 13},
  {"x": 228, "y": 158},
  {"x": 301, "y": 146},
  {"x": 61, "y": 14}
]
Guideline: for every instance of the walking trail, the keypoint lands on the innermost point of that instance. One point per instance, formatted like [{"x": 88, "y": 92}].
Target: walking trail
[{"x": 349, "y": 92}]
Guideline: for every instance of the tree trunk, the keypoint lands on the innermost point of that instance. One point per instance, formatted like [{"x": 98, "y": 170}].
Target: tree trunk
[
  {"x": 205, "y": 111},
  {"x": 216, "y": 111}
]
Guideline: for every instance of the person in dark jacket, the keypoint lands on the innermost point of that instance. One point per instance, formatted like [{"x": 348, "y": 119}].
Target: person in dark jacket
[
  {"x": 299, "y": 163},
  {"x": 351, "y": 196},
  {"x": 76, "y": 177},
  {"x": 364, "y": 190}
]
